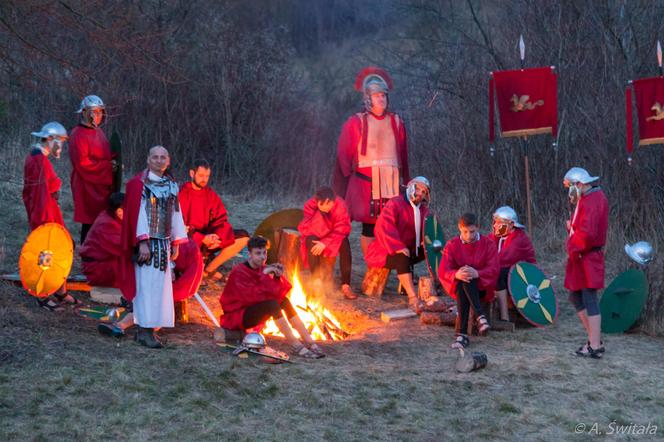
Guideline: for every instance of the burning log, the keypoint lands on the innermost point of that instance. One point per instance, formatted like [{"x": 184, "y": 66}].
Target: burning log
[
  {"x": 447, "y": 318},
  {"x": 424, "y": 288},
  {"x": 374, "y": 281},
  {"x": 289, "y": 249}
]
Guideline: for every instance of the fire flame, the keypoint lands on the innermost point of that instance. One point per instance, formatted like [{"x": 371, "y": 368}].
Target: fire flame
[{"x": 319, "y": 321}]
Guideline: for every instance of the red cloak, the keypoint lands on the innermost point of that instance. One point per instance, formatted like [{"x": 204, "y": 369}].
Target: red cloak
[
  {"x": 247, "y": 287},
  {"x": 354, "y": 188},
  {"x": 332, "y": 227},
  {"x": 482, "y": 255},
  {"x": 204, "y": 213},
  {"x": 188, "y": 271},
  {"x": 516, "y": 247},
  {"x": 92, "y": 172},
  {"x": 40, "y": 183},
  {"x": 395, "y": 230},
  {"x": 101, "y": 251},
  {"x": 585, "y": 261}
]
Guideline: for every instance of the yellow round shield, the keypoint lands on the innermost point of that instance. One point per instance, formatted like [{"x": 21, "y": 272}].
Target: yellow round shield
[{"x": 46, "y": 259}]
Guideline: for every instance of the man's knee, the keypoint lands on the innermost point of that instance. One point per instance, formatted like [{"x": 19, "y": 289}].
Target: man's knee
[
  {"x": 590, "y": 301},
  {"x": 576, "y": 299}
]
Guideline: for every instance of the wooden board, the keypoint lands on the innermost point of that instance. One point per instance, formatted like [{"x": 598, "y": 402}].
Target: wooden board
[
  {"x": 75, "y": 283},
  {"x": 105, "y": 295},
  {"x": 396, "y": 315}
]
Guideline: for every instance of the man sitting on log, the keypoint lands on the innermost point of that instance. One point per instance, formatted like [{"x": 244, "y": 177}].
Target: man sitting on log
[
  {"x": 468, "y": 272},
  {"x": 325, "y": 229},
  {"x": 256, "y": 292},
  {"x": 514, "y": 246},
  {"x": 101, "y": 258},
  {"x": 400, "y": 234},
  {"x": 207, "y": 220}
]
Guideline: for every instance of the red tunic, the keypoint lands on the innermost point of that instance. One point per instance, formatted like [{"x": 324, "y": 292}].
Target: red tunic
[
  {"x": 204, "y": 213},
  {"x": 482, "y": 255},
  {"x": 585, "y": 257},
  {"x": 356, "y": 190},
  {"x": 188, "y": 271},
  {"x": 395, "y": 230},
  {"x": 516, "y": 247},
  {"x": 332, "y": 227},
  {"x": 92, "y": 172},
  {"x": 101, "y": 251},
  {"x": 39, "y": 184},
  {"x": 247, "y": 287}
]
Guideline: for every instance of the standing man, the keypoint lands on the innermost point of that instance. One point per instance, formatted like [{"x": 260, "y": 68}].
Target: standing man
[
  {"x": 152, "y": 229},
  {"x": 41, "y": 190},
  {"x": 92, "y": 164},
  {"x": 468, "y": 272},
  {"x": 584, "y": 273},
  {"x": 325, "y": 229},
  {"x": 400, "y": 235},
  {"x": 514, "y": 246},
  {"x": 372, "y": 154},
  {"x": 207, "y": 220}
]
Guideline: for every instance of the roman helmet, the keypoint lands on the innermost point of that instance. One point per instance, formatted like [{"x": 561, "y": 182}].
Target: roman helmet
[
  {"x": 92, "y": 102},
  {"x": 55, "y": 135},
  {"x": 641, "y": 252},
  {"x": 371, "y": 80},
  {"x": 503, "y": 218},
  {"x": 254, "y": 341},
  {"x": 572, "y": 177},
  {"x": 412, "y": 184}
]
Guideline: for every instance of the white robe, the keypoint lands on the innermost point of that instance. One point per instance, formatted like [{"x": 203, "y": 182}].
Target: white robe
[{"x": 153, "y": 304}]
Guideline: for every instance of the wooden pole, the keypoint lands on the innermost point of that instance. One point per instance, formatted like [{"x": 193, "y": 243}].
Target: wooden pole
[{"x": 528, "y": 214}]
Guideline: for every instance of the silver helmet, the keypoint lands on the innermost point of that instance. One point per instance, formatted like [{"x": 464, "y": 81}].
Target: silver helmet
[
  {"x": 578, "y": 175},
  {"x": 411, "y": 186},
  {"x": 641, "y": 252},
  {"x": 254, "y": 341},
  {"x": 52, "y": 129},
  {"x": 90, "y": 102},
  {"x": 506, "y": 213}
]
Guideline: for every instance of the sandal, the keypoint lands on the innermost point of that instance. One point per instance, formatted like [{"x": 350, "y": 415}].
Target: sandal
[
  {"x": 482, "y": 325},
  {"x": 598, "y": 350},
  {"x": 461, "y": 342},
  {"x": 66, "y": 298},
  {"x": 348, "y": 292},
  {"x": 304, "y": 352},
  {"x": 50, "y": 304},
  {"x": 316, "y": 349},
  {"x": 590, "y": 352}
]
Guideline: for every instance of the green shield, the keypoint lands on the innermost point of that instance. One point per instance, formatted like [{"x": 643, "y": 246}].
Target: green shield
[
  {"x": 270, "y": 226},
  {"x": 100, "y": 312},
  {"x": 433, "y": 244},
  {"x": 532, "y": 294},
  {"x": 623, "y": 300},
  {"x": 116, "y": 154}
]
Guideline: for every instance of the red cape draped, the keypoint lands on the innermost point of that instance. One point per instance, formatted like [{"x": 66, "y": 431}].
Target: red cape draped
[
  {"x": 102, "y": 246},
  {"x": 247, "y": 287},
  {"x": 39, "y": 184},
  {"x": 131, "y": 208},
  {"x": 517, "y": 247},
  {"x": 331, "y": 227}
]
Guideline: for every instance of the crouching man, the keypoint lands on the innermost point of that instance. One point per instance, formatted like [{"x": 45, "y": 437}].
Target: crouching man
[{"x": 256, "y": 292}]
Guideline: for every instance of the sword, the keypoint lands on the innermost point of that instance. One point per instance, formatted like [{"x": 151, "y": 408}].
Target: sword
[
  {"x": 207, "y": 310},
  {"x": 240, "y": 349}
]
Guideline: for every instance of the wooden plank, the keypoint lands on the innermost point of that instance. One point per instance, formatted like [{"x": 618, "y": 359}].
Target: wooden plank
[
  {"x": 105, "y": 295},
  {"x": 396, "y": 315}
]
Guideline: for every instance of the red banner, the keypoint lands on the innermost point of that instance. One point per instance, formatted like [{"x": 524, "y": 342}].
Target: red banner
[
  {"x": 527, "y": 102},
  {"x": 649, "y": 93}
]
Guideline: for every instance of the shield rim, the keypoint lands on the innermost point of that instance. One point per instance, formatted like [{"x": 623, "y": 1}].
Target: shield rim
[
  {"x": 261, "y": 225},
  {"x": 645, "y": 298},
  {"x": 433, "y": 216},
  {"x": 555, "y": 298}
]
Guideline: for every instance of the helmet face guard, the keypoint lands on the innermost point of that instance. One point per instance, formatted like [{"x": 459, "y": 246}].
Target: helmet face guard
[
  {"x": 88, "y": 105},
  {"x": 54, "y": 145},
  {"x": 502, "y": 227},
  {"x": 411, "y": 189}
]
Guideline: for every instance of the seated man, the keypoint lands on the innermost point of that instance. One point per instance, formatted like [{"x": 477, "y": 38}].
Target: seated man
[
  {"x": 255, "y": 293},
  {"x": 101, "y": 254},
  {"x": 207, "y": 220},
  {"x": 400, "y": 234},
  {"x": 468, "y": 272},
  {"x": 325, "y": 229},
  {"x": 514, "y": 246}
]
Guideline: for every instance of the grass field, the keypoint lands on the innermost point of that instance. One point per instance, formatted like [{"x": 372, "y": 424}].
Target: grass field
[{"x": 61, "y": 380}]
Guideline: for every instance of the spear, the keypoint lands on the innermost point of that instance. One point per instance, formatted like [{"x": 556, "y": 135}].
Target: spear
[
  {"x": 659, "y": 58},
  {"x": 522, "y": 50}
]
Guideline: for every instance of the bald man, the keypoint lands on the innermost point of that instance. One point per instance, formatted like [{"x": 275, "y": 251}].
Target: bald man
[{"x": 152, "y": 230}]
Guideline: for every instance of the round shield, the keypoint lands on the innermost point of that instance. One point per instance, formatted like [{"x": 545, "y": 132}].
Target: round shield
[
  {"x": 532, "y": 294},
  {"x": 623, "y": 300},
  {"x": 46, "y": 259},
  {"x": 272, "y": 225},
  {"x": 434, "y": 242}
]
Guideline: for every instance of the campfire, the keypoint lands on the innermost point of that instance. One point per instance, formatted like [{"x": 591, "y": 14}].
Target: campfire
[{"x": 320, "y": 322}]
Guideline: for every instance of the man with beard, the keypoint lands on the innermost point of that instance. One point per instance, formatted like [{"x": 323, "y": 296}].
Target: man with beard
[
  {"x": 207, "y": 220},
  {"x": 92, "y": 164}
]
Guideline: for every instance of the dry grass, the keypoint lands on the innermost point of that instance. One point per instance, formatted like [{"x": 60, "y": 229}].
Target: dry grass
[{"x": 63, "y": 381}]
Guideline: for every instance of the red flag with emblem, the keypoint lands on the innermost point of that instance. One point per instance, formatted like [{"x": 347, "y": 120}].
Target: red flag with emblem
[
  {"x": 649, "y": 93},
  {"x": 527, "y": 102}
]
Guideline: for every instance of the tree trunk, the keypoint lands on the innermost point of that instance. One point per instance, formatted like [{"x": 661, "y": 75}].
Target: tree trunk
[
  {"x": 374, "y": 281},
  {"x": 289, "y": 250}
]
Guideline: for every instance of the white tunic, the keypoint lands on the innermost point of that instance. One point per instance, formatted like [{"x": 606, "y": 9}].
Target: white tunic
[{"x": 153, "y": 304}]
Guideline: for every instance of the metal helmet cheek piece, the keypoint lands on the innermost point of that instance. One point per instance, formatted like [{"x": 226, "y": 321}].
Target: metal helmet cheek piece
[
  {"x": 371, "y": 80},
  {"x": 572, "y": 177},
  {"x": 54, "y": 133},
  {"x": 505, "y": 216},
  {"x": 92, "y": 102},
  {"x": 641, "y": 252},
  {"x": 412, "y": 186}
]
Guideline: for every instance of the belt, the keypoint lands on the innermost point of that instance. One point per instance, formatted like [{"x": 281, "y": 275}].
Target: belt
[{"x": 362, "y": 176}]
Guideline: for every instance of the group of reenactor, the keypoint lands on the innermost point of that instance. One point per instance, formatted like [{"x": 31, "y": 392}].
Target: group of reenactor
[{"x": 158, "y": 240}]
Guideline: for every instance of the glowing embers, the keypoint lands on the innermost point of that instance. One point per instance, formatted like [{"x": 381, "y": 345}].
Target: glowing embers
[{"x": 320, "y": 322}]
